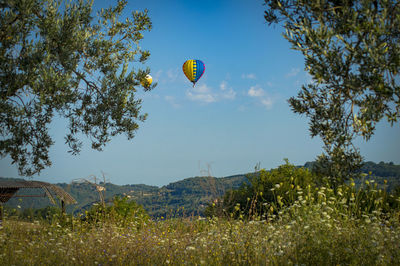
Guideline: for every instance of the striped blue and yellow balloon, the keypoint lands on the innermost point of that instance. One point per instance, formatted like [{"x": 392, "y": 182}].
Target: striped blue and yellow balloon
[{"x": 193, "y": 70}]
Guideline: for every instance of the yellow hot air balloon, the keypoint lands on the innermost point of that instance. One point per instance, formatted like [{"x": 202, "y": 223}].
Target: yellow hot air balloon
[{"x": 147, "y": 81}]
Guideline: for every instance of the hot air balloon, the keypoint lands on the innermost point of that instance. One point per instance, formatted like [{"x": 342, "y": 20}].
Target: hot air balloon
[
  {"x": 193, "y": 70},
  {"x": 147, "y": 81}
]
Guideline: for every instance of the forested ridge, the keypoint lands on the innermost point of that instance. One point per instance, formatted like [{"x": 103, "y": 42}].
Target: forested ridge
[{"x": 187, "y": 196}]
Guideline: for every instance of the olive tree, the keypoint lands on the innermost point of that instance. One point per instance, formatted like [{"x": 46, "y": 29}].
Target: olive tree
[
  {"x": 58, "y": 59},
  {"x": 352, "y": 53}
]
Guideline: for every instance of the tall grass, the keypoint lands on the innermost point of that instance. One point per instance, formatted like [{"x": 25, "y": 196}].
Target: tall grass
[
  {"x": 288, "y": 220},
  {"x": 310, "y": 234}
]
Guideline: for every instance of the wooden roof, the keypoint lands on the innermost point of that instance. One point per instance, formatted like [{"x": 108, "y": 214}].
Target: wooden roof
[{"x": 9, "y": 188}]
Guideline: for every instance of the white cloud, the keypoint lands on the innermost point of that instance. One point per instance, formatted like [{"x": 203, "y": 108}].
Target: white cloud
[
  {"x": 202, "y": 89},
  {"x": 263, "y": 98},
  {"x": 206, "y": 98},
  {"x": 205, "y": 94},
  {"x": 201, "y": 93},
  {"x": 293, "y": 72},
  {"x": 249, "y": 76},
  {"x": 226, "y": 92},
  {"x": 223, "y": 85},
  {"x": 267, "y": 102},
  {"x": 255, "y": 91}
]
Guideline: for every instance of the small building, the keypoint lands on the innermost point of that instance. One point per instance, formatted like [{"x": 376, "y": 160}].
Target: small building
[{"x": 8, "y": 189}]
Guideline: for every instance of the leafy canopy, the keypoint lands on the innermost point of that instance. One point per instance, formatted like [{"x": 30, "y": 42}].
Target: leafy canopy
[
  {"x": 57, "y": 59},
  {"x": 352, "y": 52}
]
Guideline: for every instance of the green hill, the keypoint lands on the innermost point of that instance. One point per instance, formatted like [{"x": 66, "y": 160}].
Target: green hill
[
  {"x": 191, "y": 194},
  {"x": 379, "y": 172},
  {"x": 187, "y": 196}
]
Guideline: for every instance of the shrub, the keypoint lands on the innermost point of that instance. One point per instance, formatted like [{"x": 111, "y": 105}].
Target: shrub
[
  {"x": 121, "y": 212},
  {"x": 270, "y": 193},
  {"x": 265, "y": 192}
]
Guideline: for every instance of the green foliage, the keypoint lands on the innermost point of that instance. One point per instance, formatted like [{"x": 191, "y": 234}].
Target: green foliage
[
  {"x": 48, "y": 213},
  {"x": 59, "y": 59},
  {"x": 122, "y": 212},
  {"x": 352, "y": 52},
  {"x": 288, "y": 189},
  {"x": 382, "y": 169},
  {"x": 125, "y": 211},
  {"x": 265, "y": 192}
]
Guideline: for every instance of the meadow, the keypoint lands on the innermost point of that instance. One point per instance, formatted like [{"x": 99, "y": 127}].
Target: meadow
[{"x": 318, "y": 226}]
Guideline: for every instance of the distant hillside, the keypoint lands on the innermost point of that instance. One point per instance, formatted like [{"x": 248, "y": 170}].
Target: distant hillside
[
  {"x": 187, "y": 196},
  {"x": 191, "y": 194},
  {"x": 377, "y": 171},
  {"x": 85, "y": 194}
]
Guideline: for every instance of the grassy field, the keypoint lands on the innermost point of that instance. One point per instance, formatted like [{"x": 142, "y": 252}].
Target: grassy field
[
  {"x": 306, "y": 234},
  {"x": 285, "y": 218}
]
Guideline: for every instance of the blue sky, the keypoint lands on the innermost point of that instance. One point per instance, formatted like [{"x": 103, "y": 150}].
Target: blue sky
[{"x": 236, "y": 116}]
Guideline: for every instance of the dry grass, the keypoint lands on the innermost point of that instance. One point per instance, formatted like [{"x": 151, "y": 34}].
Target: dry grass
[
  {"x": 320, "y": 226},
  {"x": 313, "y": 236}
]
